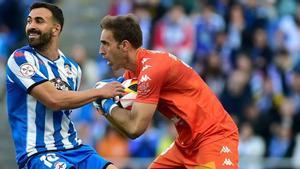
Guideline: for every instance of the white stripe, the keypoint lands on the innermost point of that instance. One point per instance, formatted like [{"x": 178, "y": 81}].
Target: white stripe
[
  {"x": 49, "y": 130},
  {"x": 46, "y": 62},
  {"x": 31, "y": 127},
  {"x": 76, "y": 137},
  {"x": 64, "y": 131},
  {"x": 61, "y": 70},
  {"x": 14, "y": 67},
  {"x": 50, "y": 73},
  {"x": 79, "y": 77}
]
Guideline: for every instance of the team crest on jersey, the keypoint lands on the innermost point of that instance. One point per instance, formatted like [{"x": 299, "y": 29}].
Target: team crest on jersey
[
  {"x": 143, "y": 88},
  {"x": 68, "y": 71},
  {"x": 59, "y": 84},
  {"x": 60, "y": 165},
  {"x": 27, "y": 70}
]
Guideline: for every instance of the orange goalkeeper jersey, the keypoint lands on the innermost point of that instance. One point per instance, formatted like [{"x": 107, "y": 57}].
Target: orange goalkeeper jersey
[{"x": 183, "y": 97}]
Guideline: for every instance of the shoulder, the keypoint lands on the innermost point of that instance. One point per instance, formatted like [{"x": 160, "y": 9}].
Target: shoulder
[
  {"x": 23, "y": 51},
  {"x": 24, "y": 54},
  {"x": 157, "y": 60}
]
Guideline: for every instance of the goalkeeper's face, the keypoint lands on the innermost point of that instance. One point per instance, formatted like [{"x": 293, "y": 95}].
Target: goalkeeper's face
[{"x": 112, "y": 51}]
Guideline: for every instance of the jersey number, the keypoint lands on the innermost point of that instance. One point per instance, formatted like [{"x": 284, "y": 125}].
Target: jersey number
[{"x": 48, "y": 159}]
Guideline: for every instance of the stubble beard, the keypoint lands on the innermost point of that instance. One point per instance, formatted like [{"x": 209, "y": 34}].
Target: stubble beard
[{"x": 41, "y": 43}]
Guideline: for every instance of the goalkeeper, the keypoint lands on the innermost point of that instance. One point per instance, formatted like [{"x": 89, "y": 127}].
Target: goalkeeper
[{"x": 207, "y": 135}]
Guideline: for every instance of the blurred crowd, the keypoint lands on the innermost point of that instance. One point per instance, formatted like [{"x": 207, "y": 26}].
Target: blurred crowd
[{"x": 248, "y": 52}]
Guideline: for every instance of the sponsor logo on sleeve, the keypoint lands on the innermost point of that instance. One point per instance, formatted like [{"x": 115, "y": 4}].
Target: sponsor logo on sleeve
[
  {"x": 143, "y": 88},
  {"x": 27, "y": 70},
  {"x": 59, "y": 84}
]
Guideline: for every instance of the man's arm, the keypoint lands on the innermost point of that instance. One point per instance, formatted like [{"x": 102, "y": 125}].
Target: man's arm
[
  {"x": 135, "y": 122},
  {"x": 55, "y": 99}
]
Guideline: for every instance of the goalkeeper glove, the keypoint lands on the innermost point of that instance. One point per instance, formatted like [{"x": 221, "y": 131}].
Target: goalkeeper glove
[
  {"x": 119, "y": 79},
  {"x": 107, "y": 105}
]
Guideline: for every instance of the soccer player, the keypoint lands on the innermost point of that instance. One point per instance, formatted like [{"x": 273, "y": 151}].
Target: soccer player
[
  {"x": 42, "y": 86},
  {"x": 207, "y": 135}
]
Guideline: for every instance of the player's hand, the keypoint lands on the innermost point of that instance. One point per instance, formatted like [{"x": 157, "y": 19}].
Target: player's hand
[{"x": 111, "y": 90}]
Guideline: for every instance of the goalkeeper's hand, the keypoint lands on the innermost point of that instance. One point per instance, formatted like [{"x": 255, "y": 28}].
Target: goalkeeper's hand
[
  {"x": 105, "y": 105},
  {"x": 118, "y": 79}
]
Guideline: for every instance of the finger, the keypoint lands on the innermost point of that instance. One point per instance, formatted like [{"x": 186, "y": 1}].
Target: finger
[{"x": 100, "y": 111}]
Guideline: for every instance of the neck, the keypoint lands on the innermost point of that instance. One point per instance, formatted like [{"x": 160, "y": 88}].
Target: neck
[
  {"x": 49, "y": 51},
  {"x": 132, "y": 65}
]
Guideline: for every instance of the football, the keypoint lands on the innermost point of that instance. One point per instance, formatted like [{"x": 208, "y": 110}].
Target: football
[{"x": 130, "y": 88}]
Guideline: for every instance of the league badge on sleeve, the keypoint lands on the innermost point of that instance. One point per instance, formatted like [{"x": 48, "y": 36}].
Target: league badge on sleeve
[{"x": 27, "y": 70}]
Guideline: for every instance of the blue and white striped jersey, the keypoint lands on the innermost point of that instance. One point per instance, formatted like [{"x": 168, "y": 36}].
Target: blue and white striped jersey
[{"x": 36, "y": 128}]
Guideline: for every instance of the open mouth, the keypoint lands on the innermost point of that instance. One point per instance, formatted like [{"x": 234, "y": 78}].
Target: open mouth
[{"x": 33, "y": 34}]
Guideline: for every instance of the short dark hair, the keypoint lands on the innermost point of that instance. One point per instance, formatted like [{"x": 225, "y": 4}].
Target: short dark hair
[
  {"x": 124, "y": 27},
  {"x": 55, "y": 10}
]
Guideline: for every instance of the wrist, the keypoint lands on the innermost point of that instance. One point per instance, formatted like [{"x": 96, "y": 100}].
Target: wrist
[{"x": 107, "y": 106}]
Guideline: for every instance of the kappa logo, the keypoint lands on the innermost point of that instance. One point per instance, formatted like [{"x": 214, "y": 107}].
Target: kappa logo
[
  {"x": 145, "y": 60},
  {"x": 227, "y": 162},
  {"x": 146, "y": 67},
  {"x": 225, "y": 149},
  {"x": 145, "y": 78}
]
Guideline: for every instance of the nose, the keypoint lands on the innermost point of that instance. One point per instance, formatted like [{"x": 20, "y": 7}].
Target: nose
[
  {"x": 101, "y": 50},
  {"x": 31, "y": 27}
]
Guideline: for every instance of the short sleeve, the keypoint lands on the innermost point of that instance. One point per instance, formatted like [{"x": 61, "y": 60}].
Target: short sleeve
[
  {"x": 151, "y": 80},
  {"x": 23, "y": 69}
]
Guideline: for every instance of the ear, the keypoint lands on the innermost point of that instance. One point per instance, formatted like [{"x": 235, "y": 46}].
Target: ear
[
  {"x": 56, "y": 29},
  {"x": 126, "y": 44}
]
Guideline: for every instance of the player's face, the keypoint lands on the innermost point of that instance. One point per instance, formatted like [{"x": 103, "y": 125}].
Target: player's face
[
  {"x": 112, "y": 51},
  {"x": 39, "y": 27}
]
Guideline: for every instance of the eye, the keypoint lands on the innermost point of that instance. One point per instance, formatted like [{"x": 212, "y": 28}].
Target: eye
[
  {"x": 39, "y": 20},
  {"x": 28, "y": 21}
]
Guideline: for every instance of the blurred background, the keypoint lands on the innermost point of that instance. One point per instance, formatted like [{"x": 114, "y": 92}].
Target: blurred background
[{"x": 248, "y": 52}]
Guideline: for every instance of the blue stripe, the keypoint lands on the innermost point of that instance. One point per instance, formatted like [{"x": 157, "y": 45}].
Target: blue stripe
[
  {"x": 15, "y": 95},
  {"x": 70, "y": 80},
  {"x": 20, "y": 59},
  {"x": 54, "y": 69},
  {"x": 40, "y": 112},
  {"x": 43, "y": 68},
  {"x": 57, "y": 119},
  {"x": 15, "y": 78},
  {"x": 71, "y": 130}
]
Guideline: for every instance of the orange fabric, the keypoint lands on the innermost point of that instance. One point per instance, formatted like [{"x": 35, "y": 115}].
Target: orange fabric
[
  {"x": 113, "y": 145},
  {"x": 221, "y": 154},
  {"x": 183, "y": 97}
]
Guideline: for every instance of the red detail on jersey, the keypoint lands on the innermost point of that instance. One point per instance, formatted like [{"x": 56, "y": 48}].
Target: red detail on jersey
[{"x": 18, "y": 54}]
